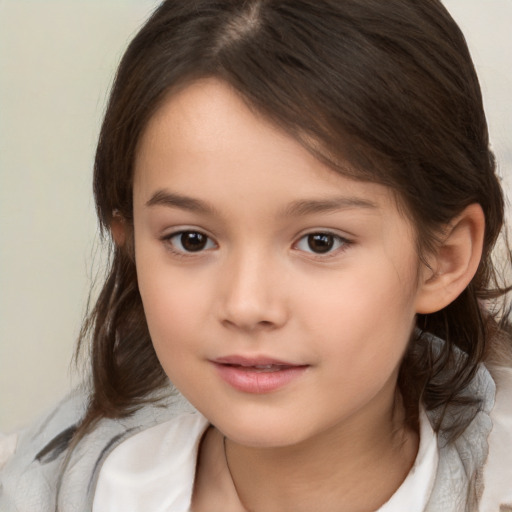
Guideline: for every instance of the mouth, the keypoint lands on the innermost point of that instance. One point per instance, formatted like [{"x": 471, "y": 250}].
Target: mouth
[{"x": 257, "y": 375}]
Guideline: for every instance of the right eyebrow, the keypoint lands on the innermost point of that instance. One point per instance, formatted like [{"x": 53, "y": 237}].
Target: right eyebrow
[
  {"x": 307, "y": 207},
  {"x": 166, "y": 198}
]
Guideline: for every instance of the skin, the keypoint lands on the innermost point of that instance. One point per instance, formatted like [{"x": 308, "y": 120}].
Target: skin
[{"x": 332, "y": 438}]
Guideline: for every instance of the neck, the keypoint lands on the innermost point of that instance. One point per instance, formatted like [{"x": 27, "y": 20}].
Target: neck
[{"x": 343, "y": 469}]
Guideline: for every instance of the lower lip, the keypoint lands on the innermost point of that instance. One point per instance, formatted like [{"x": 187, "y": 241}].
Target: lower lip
[{"x": 250, "y": 380}]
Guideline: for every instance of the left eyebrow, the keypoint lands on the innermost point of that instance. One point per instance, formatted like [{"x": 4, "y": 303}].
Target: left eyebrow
[
  {"x": 310, "y": 206},
  {"x": 171, "y": 200}
]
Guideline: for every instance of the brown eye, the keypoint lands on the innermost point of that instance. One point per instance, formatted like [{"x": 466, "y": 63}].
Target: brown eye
[
  {"x": 193, "y": 241},
  {"x": 190, "y": 241},
  {"x": 321, "y": 243}
]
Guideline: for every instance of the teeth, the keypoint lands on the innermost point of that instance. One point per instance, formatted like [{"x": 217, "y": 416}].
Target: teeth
[{"x": 264, "y": 366}]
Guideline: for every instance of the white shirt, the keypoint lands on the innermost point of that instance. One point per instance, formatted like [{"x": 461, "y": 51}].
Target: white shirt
[{"x": 154, "y": 470}]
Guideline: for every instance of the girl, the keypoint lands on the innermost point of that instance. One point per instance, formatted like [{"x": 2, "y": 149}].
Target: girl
[{"x": 303, "y": 206}]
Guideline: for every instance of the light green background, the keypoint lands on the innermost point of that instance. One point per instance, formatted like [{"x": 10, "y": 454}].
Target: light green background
[{"x": 57, "y": 60}]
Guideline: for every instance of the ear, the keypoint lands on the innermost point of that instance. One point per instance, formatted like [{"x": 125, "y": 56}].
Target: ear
[
  {"x": 118, "y": 228},
  {"x": 454, "y": 263}
]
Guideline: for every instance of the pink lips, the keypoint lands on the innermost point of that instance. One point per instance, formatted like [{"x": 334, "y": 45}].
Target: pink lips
[{"x": 257, "y": 375}]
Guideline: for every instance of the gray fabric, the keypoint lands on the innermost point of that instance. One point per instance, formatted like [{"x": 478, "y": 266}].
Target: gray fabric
[
  {"x": 30, "y": 484},
  {"x": 459, "y": 479}
]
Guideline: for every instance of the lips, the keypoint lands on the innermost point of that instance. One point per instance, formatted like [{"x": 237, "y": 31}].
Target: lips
[{"x": 257, "y": 375}]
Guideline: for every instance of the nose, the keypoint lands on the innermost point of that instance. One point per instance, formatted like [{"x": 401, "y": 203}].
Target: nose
[{"x": 253, "y": 294}]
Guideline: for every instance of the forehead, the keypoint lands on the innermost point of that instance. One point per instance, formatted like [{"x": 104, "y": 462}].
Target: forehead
[
  {"x": 208, "y": 117},
  {"x": 205, "y": 141}
]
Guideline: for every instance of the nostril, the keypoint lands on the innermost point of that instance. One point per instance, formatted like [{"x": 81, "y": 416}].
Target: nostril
[{"x": 250, "y": 326}]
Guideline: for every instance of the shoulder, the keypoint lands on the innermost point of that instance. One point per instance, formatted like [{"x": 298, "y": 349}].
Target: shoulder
[
  {"x": 497, "y": 475},
  {"x": 475, "y": 469},
  {"x": 29, "y": 464},
  {"x": 32, "y": 477},
  {"x": 152, "y": 467}
]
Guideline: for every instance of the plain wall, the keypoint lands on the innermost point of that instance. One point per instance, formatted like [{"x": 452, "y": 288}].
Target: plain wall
[{"x": 57, "y": 59}]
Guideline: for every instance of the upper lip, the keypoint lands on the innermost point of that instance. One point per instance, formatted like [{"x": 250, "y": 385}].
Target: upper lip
[{"x": 253, "y": 361}]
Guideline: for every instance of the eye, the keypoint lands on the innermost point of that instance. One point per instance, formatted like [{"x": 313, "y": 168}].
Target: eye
[
  {"x": 190, "y": 241},
  {"x": 321, "y": 243}
]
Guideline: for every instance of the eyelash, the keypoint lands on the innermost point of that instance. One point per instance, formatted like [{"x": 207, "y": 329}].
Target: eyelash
[{"x": 335, "y": 243}]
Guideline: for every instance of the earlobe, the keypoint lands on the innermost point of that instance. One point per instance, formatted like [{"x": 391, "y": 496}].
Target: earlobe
[
  {"x": 454, "y": 263},
  {"x": 118, "y": 228}
]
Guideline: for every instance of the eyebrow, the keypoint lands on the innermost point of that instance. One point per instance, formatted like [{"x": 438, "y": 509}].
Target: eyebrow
[
  {"x": 310, "y": 206},
  {"x": 165, "y": 198},
  {"x": 300, "y": 208}
]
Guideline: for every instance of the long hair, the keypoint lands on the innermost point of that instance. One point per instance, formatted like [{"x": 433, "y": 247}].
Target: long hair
[{"x": 381, "y": 91}]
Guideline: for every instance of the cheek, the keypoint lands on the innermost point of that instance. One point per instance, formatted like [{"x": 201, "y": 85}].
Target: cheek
[
  {"x": 171, "y": 314},
  {"x": 367, "y": 296},
  {"x": 173, "y": 325},
  {"x": 368, "y": 316},
  {"x": 172, "y": 304}
]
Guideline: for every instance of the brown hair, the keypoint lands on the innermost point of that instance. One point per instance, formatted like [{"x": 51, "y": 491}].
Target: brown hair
[{"x": 388, "y": 87}]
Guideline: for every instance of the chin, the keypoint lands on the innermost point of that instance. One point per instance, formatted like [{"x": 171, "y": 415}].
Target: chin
[{"x": 263, "y": 434}]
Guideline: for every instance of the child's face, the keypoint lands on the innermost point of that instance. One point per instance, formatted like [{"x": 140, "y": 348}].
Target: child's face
[{"x": 250, "y": 252}]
